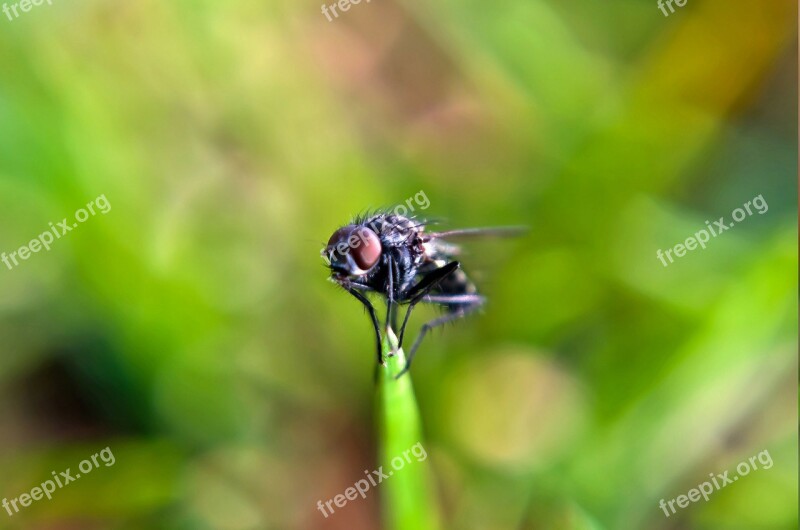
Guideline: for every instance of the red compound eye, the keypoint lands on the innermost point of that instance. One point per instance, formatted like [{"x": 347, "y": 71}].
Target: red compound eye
[
  {"x": 365, "y": 247},
  {"x": 360, "y": 243}
]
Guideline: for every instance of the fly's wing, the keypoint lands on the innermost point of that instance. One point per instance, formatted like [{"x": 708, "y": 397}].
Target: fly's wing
[
  {"x": 436, "y": 245},
  {"x": 440, "y": 250},
  {"x": 498, "y": 231}
]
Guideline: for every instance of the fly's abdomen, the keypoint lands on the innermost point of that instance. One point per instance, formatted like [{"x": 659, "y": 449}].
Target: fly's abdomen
[{"x": 456, "y": 283}]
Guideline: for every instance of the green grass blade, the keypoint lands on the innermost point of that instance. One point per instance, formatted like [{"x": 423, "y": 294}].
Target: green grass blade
[{"x": 408, "y": 495}]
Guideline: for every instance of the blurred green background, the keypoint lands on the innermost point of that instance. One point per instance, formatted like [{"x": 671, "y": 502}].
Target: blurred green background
[{"x": 192, "y": 331}]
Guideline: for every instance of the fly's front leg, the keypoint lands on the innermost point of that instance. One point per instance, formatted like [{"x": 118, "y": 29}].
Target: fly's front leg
[
  {"x": 395, "y": 308},
  {"x": 373, "y": 316},
  {"x": 390, "y": 294}
]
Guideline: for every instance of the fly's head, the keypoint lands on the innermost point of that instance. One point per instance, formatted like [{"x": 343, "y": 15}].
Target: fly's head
[{"x": 352, "y": 251}]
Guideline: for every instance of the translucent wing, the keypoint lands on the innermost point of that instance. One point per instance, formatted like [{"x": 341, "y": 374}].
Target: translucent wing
[{"x": 499, "y": 231}]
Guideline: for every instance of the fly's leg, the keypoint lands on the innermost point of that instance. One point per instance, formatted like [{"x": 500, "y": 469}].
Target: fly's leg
[
  {"x": 390, "y": 302},
  {"x": 371, "y": 310}
]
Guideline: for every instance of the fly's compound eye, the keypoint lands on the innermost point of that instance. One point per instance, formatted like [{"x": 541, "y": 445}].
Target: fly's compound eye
[
  {"x": 351, "y": 247},
  {"x": 366, "y": 249}
]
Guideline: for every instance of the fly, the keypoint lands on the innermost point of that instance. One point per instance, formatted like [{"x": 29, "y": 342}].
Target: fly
[{"x": 394, "y": 256}]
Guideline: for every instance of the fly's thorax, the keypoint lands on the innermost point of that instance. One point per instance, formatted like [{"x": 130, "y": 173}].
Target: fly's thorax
[{"x": 395, "y": 230}]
